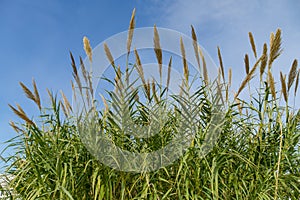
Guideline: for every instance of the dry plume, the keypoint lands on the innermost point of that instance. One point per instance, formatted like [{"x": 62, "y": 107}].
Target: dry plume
[
  {"x": 139, "y": 67},
  {"x": 28, "y": 93},
  {"x": 83, "y": 70},
  {"x": 66, "y": 102},
  {"x": 184, "y": 61},
  {"x": 195, "y": 45},
  {"x": 229, "y": 77},
  {"x": 109, "y": 55},
  {"x": 251, "y": 38},
  {"x": 221, "y": 64},
  {"x": 157, "y": 50},
  {"x": 87, "y": 48},
  {"x": 36, "y": 94},
  {"x": 246, "y": 61},
  {"x": 275, "y": 47},
  {"x": 297, "y": 82},
  {"x": 272, "y": 84},
  {"x": 205, "y": 73},
  {"x": 154, "y": 91},
  {"x": 292, "y": 74},
  {"x": 169, "y": 72},
  {"x": 248, "y": 78},
  {"x": 15, "y": 127},
  {"x": 283, "y": 87},
  {"x": 264, "y": 61},
  {"x": 20, "y": 113},
  {"x": 130, "y": 31}
]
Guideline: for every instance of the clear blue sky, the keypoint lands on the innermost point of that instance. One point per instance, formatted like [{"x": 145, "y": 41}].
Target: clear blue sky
[{"x": 36, "y": 37}]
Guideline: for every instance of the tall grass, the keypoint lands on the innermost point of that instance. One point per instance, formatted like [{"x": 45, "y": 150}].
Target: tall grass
[{"x": 255, "y": 157}]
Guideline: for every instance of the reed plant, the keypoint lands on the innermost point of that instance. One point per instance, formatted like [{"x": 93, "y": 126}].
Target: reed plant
[{"x": 255, "y": 157}]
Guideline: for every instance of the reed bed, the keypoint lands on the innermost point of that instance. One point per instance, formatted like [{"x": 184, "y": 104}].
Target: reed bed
[{"x": 255, "y": 157}]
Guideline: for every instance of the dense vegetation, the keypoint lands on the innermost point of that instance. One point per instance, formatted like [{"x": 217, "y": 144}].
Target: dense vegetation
[{"x": 256, "y": 155}]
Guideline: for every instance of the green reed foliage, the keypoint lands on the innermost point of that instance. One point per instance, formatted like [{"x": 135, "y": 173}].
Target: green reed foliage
[{"x": 255, "y": 157}]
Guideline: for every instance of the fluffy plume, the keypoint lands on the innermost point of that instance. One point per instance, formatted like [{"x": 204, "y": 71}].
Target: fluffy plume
[
  {"x": 205, "y": 73},
  {"x": 272, "y": 84},
  {"x": 154, "y": 91},
  {"x": 195, "y": 45},
  {"x": 249, "y": 76},
  {"x": 66, "y": 102},
  {"x": 105, "y": 103},
  {"x": 283, "y": 87},
  {"x": 229, "y": 77},
  {"x": 20, "y": 113},
  {"x": 247, "y": 65},
  {"x": 109, "y": 55},
  {"x": 83, "y": 70},
  {"x": 33, "y": 96},
  {"x": 169, "y": 72},
  {"x": 157, "y": 50},
  {"x": 185, "y": 65},
  {"x": 15, "y": 127},
  {"x": 36, "y": 94},
  {"x": 297, "y": 82},
  {"x": 130, "y": 31},
  {"x": 75, "y": 73},
  {"x": 139, "y": 67},
  {"x": 73, "y": 90},
  {"x": 64, "y": 109},
  {"x": 264, "y": 61},
  {"x": 272, "y": 36},
  {"x": 147, "y": 88},
  {"x": 87, "y": 48},
  {"x": 252, "y": 44},
  {"x": 275, "y": 47},
  {"x": 27, "y": 92},
  {"x": 118, "y": 81},
  {"x": 292, "y": 74},
  {"x": 221, "y": 64}
]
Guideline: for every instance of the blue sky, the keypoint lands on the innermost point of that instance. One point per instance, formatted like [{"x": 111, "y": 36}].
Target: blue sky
[{"x": 36, "y": 37}]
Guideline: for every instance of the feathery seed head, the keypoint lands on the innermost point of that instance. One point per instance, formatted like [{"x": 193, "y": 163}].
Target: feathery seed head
[
  {"x": 292, "y": 74},
  {"x": 87, "y": 48},
  {"x": 252, "y": 44}
]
